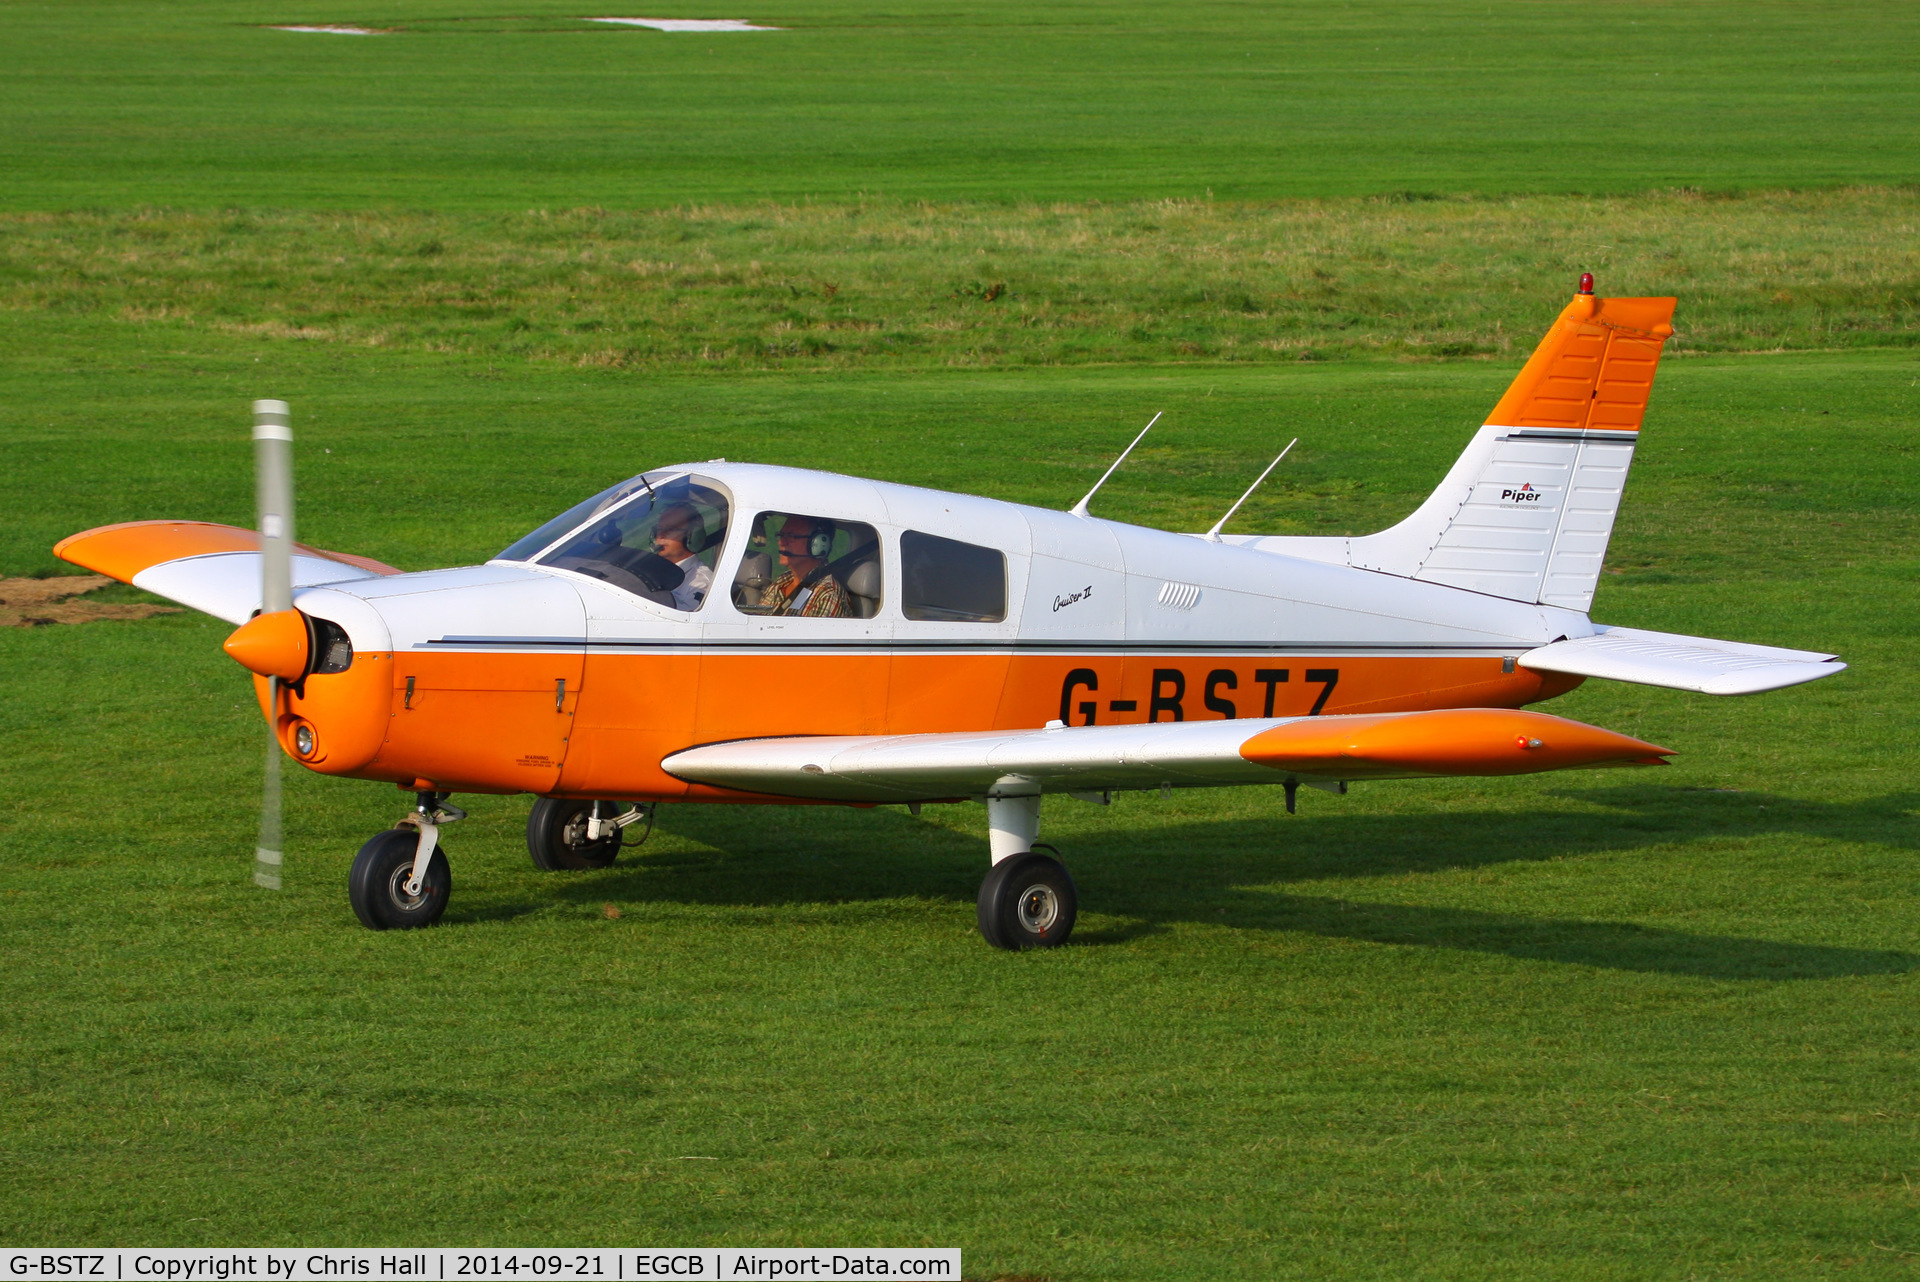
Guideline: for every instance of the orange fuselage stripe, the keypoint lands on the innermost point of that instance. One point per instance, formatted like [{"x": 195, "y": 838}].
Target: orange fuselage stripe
[{"x": 599, "y": 724}]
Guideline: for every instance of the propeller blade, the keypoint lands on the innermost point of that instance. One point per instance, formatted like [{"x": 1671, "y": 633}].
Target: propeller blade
[
  {"x": 273, "y": 480},
  {"x": 267, "y": 853},
  {"x": 273, "y": 484}
]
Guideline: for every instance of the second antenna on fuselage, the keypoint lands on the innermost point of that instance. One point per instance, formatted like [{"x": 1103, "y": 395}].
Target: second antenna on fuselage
[
  {"x": 1213, "y": 535},
  {"x": 1080, "y": 508}
]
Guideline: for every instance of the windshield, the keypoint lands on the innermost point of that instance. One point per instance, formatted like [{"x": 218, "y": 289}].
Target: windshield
[
  {"x": 660, "y": 543},
  {"x": 531, "y": 545}
]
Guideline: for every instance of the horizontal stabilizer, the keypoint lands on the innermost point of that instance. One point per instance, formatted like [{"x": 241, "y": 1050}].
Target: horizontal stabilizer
[
  {"x": 1192, "y": 754},
  {"x": 1700, "y": 664},
  {"x": 207, "y": 567}
]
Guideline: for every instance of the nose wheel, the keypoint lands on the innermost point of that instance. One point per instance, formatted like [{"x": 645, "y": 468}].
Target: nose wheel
[
  {"x": 378, "y": 886},
  {"x": 400, "y": 878},
  {"x": 1028, "y": 901}
]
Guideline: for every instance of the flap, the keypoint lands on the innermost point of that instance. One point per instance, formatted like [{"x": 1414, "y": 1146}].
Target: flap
[
  {"x": 880, "y": 768},
  {"x": 1700, "y": 664}
]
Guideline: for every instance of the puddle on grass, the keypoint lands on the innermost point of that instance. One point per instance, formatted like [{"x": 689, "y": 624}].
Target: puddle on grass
[
  {"x": 335, "y": 29},
  {"x": 656, "y": 24},
  {"x": 36, "y": 603},
  {"x": 687, "y": 24}
]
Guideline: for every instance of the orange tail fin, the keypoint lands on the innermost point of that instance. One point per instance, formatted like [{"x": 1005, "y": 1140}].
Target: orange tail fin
[{"x": 1594, "y": 369}]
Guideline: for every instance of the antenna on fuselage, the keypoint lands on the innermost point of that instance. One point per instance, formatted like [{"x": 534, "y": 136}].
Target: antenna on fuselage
[
  {"x": 1080, "y": 508},
  {"x": 1213, "y": 535}
]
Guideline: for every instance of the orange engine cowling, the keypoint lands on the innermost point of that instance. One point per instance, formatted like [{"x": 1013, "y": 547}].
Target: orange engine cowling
[{"x": 330, "y": 718}]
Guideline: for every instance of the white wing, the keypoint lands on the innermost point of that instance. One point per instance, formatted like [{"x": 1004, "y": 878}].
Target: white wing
[
  {"x": 227, "y": 585},
  {"x": 881, "y": 768}
]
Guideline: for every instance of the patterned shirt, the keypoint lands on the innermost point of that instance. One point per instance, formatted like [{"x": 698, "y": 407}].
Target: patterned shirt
[{"x": 825, "y": 598}]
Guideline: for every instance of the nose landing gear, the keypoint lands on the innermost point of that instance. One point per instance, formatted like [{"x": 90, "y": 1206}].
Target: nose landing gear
[{"x": 400, "y": 878}]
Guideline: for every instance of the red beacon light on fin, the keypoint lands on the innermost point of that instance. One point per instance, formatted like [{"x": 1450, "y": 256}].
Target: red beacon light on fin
[{"x": 1586, "y": 283}]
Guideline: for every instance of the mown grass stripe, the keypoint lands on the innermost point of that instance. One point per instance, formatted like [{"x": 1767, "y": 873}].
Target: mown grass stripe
[{"x": 914, "y": 285}]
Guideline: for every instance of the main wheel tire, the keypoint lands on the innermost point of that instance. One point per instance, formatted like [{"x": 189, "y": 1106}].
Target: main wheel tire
[
  {"x": 377, "y": 886},
  {"x": 557, "y": 836},
  {"x": 1028, "y": 901}
]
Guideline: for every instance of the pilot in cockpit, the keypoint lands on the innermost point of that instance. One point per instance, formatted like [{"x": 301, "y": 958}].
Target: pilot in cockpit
[
  {"x": 804, "y": 586},
  {"x": 679, "y": 537}
]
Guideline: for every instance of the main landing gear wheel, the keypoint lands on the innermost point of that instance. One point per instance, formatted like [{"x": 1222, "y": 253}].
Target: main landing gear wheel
[
  {"x": 377, "y": 886},
  {"x": 557, "y": 835},
  {"x": 1027, "y": 901}
]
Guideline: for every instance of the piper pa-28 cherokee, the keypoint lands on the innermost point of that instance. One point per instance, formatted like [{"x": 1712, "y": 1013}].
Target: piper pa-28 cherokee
[{"x": 725, "y": 632}]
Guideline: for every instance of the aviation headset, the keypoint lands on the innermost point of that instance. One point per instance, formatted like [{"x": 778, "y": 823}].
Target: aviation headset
[
  {"x": 819, "y": 543},
  {"x": 696, "y": 533}
]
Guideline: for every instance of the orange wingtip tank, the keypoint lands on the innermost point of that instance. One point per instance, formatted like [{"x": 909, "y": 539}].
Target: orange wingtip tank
[{"x": 1456, "y": 741}]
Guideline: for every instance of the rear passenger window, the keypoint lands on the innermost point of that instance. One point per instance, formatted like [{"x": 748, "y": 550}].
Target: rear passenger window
[{"x": 950, "y": 581}]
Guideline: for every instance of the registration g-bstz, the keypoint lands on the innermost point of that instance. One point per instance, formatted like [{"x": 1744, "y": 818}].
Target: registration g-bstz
[
  {"x": 377, "y": 1264},
  {"x": 57, "y": 1264}
]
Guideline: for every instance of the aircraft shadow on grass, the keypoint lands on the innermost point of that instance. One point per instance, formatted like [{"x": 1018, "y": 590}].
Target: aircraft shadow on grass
[{"x": 1223, "y": 872}]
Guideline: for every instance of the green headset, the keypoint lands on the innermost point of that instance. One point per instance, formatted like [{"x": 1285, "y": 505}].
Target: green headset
[{"x": 819, "y": 543}]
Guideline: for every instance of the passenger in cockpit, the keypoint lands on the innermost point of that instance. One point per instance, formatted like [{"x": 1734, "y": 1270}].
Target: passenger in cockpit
[
  {"x": 804, "y": 586},
  {"x": 679, "y": 537}
]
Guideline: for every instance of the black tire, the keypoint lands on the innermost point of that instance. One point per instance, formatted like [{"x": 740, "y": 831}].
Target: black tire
[
  {"x": 1028, "y": 901},
  {"x": 377, "y": 885},
  {"x": 557, "y": 836}
]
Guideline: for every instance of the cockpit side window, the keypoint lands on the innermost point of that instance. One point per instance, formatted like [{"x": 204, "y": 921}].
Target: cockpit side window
[
  {"x": 804, "y": 566},
  {"x": 660, "y": 544},
  {"x": 950, "y": 581}
]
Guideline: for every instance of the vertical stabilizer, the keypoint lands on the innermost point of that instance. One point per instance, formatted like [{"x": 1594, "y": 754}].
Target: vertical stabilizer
[{"x": 1526, "y": 511}]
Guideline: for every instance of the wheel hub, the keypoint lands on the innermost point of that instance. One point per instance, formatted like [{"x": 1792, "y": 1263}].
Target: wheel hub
[
  {"x": 575, "y": 834},
  {"x": 397, "y": 888},
  {"x": 1038, "y": 909}
]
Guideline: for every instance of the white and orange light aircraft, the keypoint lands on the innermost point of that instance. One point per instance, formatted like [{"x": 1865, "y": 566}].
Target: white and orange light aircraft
[{"x": 733, "y": 633}]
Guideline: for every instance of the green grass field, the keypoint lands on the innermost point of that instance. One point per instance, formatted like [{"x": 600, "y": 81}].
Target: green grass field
[
  {"x": 489, "y": 106},
  {"x": 1587, "y": 1025},
  {"x": 1654, "y": 1024}
]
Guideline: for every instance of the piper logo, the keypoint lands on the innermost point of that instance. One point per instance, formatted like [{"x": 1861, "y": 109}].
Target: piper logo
[{"x": 1525, "y": 494}]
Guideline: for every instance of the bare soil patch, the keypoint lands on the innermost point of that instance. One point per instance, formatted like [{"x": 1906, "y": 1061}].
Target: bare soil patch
[{"x": 34, "y": 603}]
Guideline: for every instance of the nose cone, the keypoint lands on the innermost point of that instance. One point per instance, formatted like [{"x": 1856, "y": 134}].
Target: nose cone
[{"x": 273, "y": 645}]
